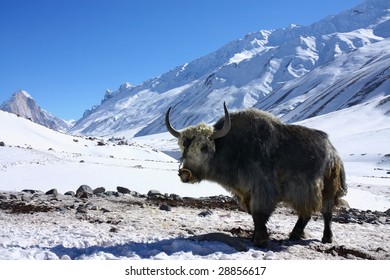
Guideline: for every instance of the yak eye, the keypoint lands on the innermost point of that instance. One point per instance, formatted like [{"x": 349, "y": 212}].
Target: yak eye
[
  {"x": 204, "y": 149},
  {"x": 187, "y": 142}
]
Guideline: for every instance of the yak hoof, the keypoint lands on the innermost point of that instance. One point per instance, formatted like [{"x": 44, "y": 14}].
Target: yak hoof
[
  {"x": 260, "y": 239},
  {"x": 326, "y": 239},
  {"x": 295, "y": 236}
]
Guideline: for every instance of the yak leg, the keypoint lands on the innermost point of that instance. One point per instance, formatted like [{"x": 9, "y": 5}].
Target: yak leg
[
  {"x": 327, "y": 237},
  {"x": 298, "y": 230},
  {"x": 260, "y": 236},
  {"x": 329, "y": 197}
]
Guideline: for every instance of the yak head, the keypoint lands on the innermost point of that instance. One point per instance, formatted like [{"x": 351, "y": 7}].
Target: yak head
[{"x": 197, "y": 147}]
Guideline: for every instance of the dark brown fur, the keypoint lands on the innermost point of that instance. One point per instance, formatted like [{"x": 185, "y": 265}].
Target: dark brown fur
[{"x": 263, "y": 162}]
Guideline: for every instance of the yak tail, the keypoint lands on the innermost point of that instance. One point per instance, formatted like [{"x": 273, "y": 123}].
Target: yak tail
[{"x": 343, "y": 188}]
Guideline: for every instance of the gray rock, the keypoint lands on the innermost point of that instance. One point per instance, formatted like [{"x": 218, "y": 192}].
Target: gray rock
[
  {"x": 81, "y": 209},
  {"x": 114, "y": 229},
  {"x": 99, "y": 190},
  {"x": 52, "y": 191},
  {"x": 165, "y": 207},
  {"x": 205, "y": 213},
  {"x": 154, "y": 193},
  {"x": 123, "y": 190},
  {"x": 105, "y": 210},
  {"x": 110, "y": 193},
  {"x": 70, "y": 193},
  {"x": 29, "y": 191},
  {"x": 84, "y": 191},
  {"x": 25, "y": 198},
  {"x": 175, "y": 196},
  {"x": 135, "y": 194}
]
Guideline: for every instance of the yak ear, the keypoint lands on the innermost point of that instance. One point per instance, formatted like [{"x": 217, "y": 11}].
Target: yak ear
[
  {"x": 171, "y": 130},
  {"x": 226, "y": 125}
]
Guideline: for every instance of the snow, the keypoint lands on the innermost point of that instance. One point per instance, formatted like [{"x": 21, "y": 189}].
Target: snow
[
  {"x": 35, "y": 157},
  {"x": 261, "y": 69},
  {"x": 39, "y": 158}
]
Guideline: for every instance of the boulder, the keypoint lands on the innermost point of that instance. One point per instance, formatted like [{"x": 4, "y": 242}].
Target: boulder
[
  {"x": 84, "y": 191},
  {"x": 123, "y": 190}
]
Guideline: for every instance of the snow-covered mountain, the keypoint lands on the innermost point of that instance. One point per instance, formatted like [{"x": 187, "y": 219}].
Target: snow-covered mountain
[
  {"x": 22, "y": 104},
  {"x": 350, "y": 79},
  {"x": 294, "y": 72}
]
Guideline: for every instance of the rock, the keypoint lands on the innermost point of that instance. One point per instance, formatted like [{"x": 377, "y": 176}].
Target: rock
[
  {"x": 123, "y": 190},
  {"x": 81, "y": 209},
  {"x": 175, "y": 196},
  {"x": 2, "y": 144},
  {"x": 26, "y": 198},
  {"x": 105, "y": 210},
  {"x": 114, "y": 229},
  {"x": 70, "y": 193},
  {"x": 29, "y": 191},
  {"x": 52, "y": 192},
  {"x": 205, "y": 213},
  {"x": 110, "y": 193},
  {"x": 84, "y": 191},
  {"x": 99, "y": 190},
  {"x": 135, "y": 194},
  {"x": 165, "y": 207},
  {"x": 269, "y": 256},
  {"x": 154, "y": 193}
]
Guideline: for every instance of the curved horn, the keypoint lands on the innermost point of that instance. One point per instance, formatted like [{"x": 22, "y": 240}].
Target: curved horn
[
  {"x": 173, "y": 131},
  {"x": 226, "y": 125}
]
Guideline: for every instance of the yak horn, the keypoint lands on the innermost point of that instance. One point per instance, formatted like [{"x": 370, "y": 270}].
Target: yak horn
[
  {"x": 226, "y": 125},
  {"x": 171, "y": 130}
]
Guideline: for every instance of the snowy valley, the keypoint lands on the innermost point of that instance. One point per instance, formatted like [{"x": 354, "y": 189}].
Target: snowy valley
[
  {"x": 36, "y": 158},
  {"x": 332, "y": 75}
]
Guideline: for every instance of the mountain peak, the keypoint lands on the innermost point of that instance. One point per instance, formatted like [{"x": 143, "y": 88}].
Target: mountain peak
[
  {"x": 248, "y": 71},
  {"x": 23, "y": 93},
  {"x": 22, "y": 104}
]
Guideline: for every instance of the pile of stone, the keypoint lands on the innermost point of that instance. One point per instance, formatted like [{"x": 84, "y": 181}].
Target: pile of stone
[{"x": 29, "y": 201}]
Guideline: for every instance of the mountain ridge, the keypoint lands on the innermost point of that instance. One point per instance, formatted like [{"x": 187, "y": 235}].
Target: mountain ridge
[
  {"x": 22, "y": 104},
  {"x": 242, "y": 73}
]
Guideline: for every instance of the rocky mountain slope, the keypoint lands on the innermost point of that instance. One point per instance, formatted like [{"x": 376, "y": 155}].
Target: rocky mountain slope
[
  {"x": 257, "y": 70},
  {"x": 22, "y": 104}
]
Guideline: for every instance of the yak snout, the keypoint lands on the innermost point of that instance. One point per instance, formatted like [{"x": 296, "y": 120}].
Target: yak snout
[{"x": 185, "y": 175}]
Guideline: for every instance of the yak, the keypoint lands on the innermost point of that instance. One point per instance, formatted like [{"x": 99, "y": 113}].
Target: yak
[{"x": 263, "y": 161}]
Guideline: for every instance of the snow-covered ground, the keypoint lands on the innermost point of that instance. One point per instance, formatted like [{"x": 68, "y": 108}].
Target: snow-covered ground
[{"x": 34, "y": 157}]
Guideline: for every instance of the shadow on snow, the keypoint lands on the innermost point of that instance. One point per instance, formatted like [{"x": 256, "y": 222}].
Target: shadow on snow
[
  {"x": 148, "y": 249},
  {"x": 169, "y": 247}
]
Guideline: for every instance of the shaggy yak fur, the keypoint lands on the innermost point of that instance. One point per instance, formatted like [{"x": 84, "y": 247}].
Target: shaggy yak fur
[{"x": 264, "y": 161}]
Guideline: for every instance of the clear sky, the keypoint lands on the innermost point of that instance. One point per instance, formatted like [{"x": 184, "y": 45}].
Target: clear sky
[{"x": 66, "y": 53}]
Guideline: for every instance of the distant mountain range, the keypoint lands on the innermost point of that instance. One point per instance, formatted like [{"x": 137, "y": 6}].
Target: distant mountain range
[
  {"x": 295, "y": 73},
  {"x": 22, "y": 104}
]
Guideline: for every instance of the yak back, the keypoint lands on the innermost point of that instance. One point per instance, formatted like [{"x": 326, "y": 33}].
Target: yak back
[{"x": 260, "y": 145}]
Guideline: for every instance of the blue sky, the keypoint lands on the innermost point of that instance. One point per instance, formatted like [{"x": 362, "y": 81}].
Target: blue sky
[{"x": 66, "y": 53}]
